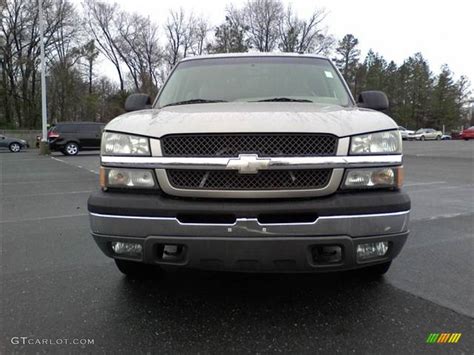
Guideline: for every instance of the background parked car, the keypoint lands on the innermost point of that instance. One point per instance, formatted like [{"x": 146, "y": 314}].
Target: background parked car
[
  {"x": 405, "y": 133},
  {"x": 426, "y": 134},
  {"x": 467, "y": 133},
  {"x": 455, "y": 134},
  {"x": 71, "y": 137},
  {"x": 446, "y": 137},
  {"x": 14, "y": 144}
]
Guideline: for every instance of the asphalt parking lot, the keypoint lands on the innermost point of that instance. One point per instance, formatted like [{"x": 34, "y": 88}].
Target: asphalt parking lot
[{"x": 56, "y": 284}]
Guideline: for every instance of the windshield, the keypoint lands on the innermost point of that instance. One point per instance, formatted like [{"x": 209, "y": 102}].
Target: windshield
[{"x": 248, "y": 79}]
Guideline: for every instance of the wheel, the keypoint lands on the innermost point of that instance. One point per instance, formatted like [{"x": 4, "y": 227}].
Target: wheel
[
  {"x": 376, "y": 270},
  {"x": 438, "y": 138},
  {"x": 14, "y": 147},
  {"x": 137, "y": 270},
  {"x": 71, "y": 148},
  {"x": 422, "y": 138}
]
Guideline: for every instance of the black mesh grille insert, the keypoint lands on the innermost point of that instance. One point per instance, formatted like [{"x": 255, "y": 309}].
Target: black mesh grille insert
[
  {"x": 264, "y": 180},
  {"x": 231, "y": 145}
]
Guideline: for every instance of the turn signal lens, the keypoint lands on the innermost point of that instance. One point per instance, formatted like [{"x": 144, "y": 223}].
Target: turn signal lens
[
  {"x": 127, "y": 178},
  {"x": 374, "y": 178}
]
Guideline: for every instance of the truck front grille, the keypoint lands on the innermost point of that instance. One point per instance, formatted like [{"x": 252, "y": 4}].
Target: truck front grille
[
  {"x": 264, "y": 180},
  {"x": 264, "y": 145}
]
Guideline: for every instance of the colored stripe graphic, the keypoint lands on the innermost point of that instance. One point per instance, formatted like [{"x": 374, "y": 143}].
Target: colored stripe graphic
[
  {"x": 455, "y": 337},
  {"x": 442, "y": 338},
  {"x": 432, "y": 338}
]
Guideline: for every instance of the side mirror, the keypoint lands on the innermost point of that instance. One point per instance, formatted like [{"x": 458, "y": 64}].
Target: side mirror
[
  {"x": 137, "y": 102},
  {"x": 376, "y": 100}
]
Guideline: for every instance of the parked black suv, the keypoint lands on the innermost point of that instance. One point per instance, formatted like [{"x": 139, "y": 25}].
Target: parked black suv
[{"x": 70, "y": 137}]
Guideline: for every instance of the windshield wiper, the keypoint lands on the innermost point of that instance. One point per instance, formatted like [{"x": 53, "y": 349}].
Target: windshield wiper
[
  {"x": 282, "y": 99},
  {"x": 193, "y": 101}
]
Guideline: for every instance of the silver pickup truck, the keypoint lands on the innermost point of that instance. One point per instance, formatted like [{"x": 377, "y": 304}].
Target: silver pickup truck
[{"x": 254, "y": 163}]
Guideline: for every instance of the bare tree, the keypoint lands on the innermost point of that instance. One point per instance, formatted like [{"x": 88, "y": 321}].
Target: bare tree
[
  {"x": 21, "y": 51},
  {"x": 139, "y": 50},
  {"x": 185, "y": 34},
  {"x": 304, "y": 36},
  {"x": 201, "y": 31},
  {"x": 230, "y": 36},
  {"x": 100, "y": 20},
  {"x": 289, "y": 30},
  {"x": 262, "y": 18},
  {"x": 175, "y": 29}
]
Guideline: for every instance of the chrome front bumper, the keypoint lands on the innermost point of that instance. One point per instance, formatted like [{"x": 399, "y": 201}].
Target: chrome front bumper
[
  {"x": 349, "y": 225},
  {"x": 250, "y": 246}
]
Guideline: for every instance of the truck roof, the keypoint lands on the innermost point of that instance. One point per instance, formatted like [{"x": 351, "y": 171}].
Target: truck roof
[{"x": 252, "y": 54}]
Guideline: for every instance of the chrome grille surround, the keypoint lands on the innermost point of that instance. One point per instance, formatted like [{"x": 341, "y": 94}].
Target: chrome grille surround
[{"x": 337, "y": 163}]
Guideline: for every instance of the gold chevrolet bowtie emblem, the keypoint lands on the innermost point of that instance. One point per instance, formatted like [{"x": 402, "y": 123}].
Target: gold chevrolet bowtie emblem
[{"x": 248, "y": 164}]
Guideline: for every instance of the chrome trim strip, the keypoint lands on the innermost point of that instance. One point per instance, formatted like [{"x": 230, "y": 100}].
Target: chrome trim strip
[
  {"x": 275, "y": 163},
  {"x": 343, "y": 146},
  {"x": 351, "y": 225},
  {"x": 250, "y": 219},
  {"x": 155, "y": 145}
]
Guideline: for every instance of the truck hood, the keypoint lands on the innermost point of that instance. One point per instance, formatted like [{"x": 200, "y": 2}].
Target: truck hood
[{"x": 244, "y": 117}]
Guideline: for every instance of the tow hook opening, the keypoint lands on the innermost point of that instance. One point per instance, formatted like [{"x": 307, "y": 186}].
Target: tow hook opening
[
  {"x": 327, "y": 254},
  {"x": 170, "y": 252}
]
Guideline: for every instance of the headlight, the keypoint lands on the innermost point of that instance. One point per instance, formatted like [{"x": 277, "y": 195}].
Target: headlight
[
  {"x": 127, "y": 178},
  {"x": 124, "y": 144},
  {"x": 373, "y": 178},
  {"x": 377, "y": 143}
]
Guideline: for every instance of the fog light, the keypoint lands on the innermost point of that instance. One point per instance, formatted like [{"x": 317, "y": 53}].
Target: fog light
[
  {"x": 129, "y": 249},
  {"x": 371, "y": 250}
]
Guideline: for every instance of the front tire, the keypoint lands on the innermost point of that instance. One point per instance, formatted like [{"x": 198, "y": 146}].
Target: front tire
[
  {"x": 14, "y": 147},
  {"x": 422, "y": 138},
  {"x": 438, "y": 138},
  {"x": 71, "y": 148},
  {"x": 137, "y": 270}
]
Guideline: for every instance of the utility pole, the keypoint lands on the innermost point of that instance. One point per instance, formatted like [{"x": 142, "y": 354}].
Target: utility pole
[{"x": 44, "y": 147}]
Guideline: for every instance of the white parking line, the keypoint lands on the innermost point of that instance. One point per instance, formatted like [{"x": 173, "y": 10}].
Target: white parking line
[
  {"x": 42, "y": 182},
  {"x": 76, "y": 166},
  {"x": 469, "y": 188},
  {"x": 424, "y": 183},
  {"x": 43, "y": 218},
  {"x": 52, "y": 193},
  {"x": 449, "y": 215}
]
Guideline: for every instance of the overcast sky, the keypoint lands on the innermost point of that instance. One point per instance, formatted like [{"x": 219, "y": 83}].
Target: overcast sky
[{"x": 443, "y": 31}]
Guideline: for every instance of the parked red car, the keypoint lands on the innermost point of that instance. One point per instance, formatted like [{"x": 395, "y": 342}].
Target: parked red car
[{"x": 467, "y": 133}]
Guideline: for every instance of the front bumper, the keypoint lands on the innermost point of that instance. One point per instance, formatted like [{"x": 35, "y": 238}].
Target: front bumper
[{"x": 247, "y": 244}]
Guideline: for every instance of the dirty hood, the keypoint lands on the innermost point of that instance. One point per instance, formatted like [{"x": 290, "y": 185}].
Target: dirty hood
[{"x": 247, "y": 117}]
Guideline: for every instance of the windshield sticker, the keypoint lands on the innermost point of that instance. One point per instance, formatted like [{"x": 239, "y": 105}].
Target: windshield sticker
[{"x": 328, "y": 74}]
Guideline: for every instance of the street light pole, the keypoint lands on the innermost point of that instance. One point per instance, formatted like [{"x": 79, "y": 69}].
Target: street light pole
[{"x": 44, "y": 148}]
